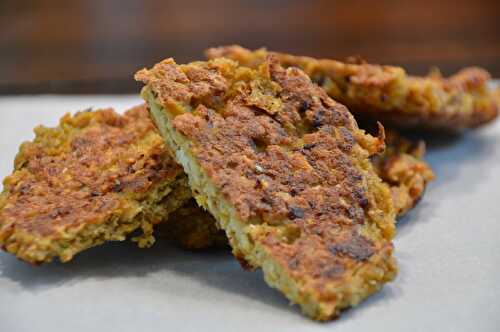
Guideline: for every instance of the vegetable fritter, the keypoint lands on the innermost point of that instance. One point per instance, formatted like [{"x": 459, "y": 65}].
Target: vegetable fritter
[
  {"x": 97, "y": 177},
  {"x": 400, "y": 165},
  {"x": 388, "y": 94},
  {"x": 285, "y": 171}
]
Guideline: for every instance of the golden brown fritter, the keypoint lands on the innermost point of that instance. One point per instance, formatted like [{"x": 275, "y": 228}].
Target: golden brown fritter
[
  {"x": 401, "y": 165},
  {"x": 285, "y": 171},
  {"x": 96, "y": 177},
  {"x": 388, "y": 94}
]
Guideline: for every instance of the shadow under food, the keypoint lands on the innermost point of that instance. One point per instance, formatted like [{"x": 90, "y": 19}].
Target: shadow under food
[{"x": 214, "y": 268}]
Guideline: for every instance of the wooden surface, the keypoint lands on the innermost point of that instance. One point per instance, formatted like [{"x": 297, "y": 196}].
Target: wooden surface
[{"x": 95, "y": 46}]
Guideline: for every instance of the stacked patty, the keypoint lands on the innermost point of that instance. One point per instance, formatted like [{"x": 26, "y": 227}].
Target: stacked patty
[{"x": 388, "y": 94}]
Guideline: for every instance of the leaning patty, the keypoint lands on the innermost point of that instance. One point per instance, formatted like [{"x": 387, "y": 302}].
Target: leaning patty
[
  {"x": 401, "y": 166},
  {"x": 284, "y": 170}
]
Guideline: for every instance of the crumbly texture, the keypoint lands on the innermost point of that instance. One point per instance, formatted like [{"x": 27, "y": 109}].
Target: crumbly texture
[
  {"x": 192, "y": 228},
  {"x": 401, "y": 165},
  {"x": 96, "y": 177},
  {"x": 388, "y": 94},
  {"x": 285, "y": 171}
]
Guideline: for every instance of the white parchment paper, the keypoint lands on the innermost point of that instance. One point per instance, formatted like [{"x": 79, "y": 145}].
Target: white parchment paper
[{"x": 448, "y": 250}]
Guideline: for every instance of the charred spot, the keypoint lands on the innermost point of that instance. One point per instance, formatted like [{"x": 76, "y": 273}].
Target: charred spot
[
  {"x": 318, "y": 119},
  {"x": 252, "y": 144},
  {"x": 258, "y": 144},
  {"x": 130, "y": 169},
  {"x": 249, "y": 173},
  {"x": 24, "y": 189},
  {"x": 309, "y": 146},
  {"x": 259, "y": 111},
  {"x": 326, "y": 114},
  {"x": 293, "y": 263},
  {"x": 304, "y": 106},
  {"x": 355, "y": 214},
  {"x": 312, "y": 204},
  {"x": 258, "y": 184},
  {"x": 80, "y": 143},
  {"x": 208, "y": 116},
  {"x": 363, "y": 202},
  {"x": 117, "y": 187},
  {"x": 266, "y": 200},
  {"x": 360, "y": 196},
  {"x": 295, "y": 213},
  {"x": 349, "y": 140},
  {"x": 356, "y": 247},
  {"x": 383, "y": 97},
  {"x": 59, "y": 212},
  {"x": 340, "y": 116},
  {"x": 232, "y": 164},
  {"x": 158, "y": 166},
  {"x": 355, "y": 176},
  {"x": 52, "y": 171},
  {"x": 95, "y": 193},
  {"x": 335, "y": 271}
]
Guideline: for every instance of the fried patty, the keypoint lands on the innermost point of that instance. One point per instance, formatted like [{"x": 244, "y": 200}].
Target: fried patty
[
  {"x": 285, "y": 171},
  {"x": 97, "y": 177},
  {"x": 388, "y": 94},
  {"x": 400, "y": 165}
]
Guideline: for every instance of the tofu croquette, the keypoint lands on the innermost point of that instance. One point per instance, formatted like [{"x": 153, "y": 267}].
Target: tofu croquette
[
  {"x": 285, "y": 171},
  {"x": 388, "y": 94},
  {"x": 97, "y": 177}
]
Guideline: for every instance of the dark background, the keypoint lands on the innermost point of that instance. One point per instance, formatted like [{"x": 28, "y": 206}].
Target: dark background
[{"x": 95, "y": 46}]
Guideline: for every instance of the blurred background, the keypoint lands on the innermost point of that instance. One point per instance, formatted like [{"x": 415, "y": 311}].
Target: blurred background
[{"x": 95, "y": 46}]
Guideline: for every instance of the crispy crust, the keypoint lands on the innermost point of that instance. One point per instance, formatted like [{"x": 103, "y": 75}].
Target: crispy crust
[
  {"x": 284, "y": 170},
  {"x": 96, "y": 177},
  {"x": 388, "y": 94},
  {"x": 402, "y": 167}
]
